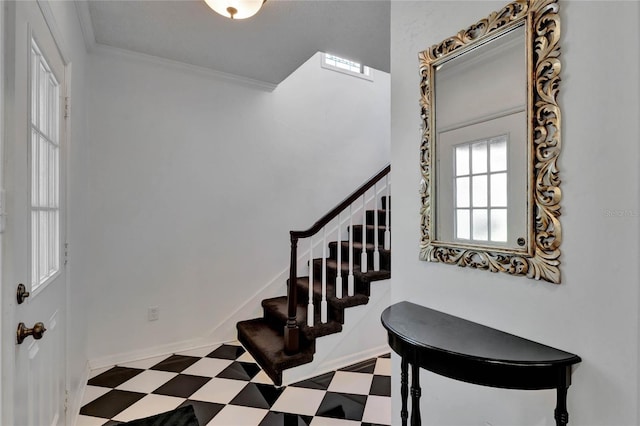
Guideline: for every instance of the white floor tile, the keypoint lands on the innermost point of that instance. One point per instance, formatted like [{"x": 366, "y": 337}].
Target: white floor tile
[
  {"x": 377, "y": 410},
  {"x": 246, "y": 357},
  {"x": 93, "y": 392},
  {"x": 149, "y": 406},
  {"x": 219, "y": 390},
  {"x": 383, "y": 367},
  {"x": 326, "y": 421},
  {"x": 204, "y": 351},
  {"x": 145, "y": 363},
  {"x": 238, "y": 416},
  {"x": 348, "y": 382},
  {"x": 147, "y": 381},
  {"x": 90, "y": 421},
  {"x": 262, "y": 377},
  {"x": 299, "y": 401},
  {"x": 208, "y": 367}
]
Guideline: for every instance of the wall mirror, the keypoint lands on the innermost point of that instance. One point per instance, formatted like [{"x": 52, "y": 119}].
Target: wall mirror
[{"x": 490, "y": 191}]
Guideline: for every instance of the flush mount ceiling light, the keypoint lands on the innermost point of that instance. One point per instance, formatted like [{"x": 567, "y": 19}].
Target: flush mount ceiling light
[{"x": 236, "y": 9}]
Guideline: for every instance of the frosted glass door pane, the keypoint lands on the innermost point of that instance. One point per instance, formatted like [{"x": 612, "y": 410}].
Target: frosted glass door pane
[
  {"x": 499, "y": 190},
  {"x": 480, "y": 226},
  {"x": 462, "y": 192},
  {"x": 498, "y": 155},
  {"x": 463, "y": 224},
  {"x": 43, "y": 168},
  {"x": 462, "y": 160},
  {"x": 499, "y": 225},
  {"x": 479, "y": 157},
  {"x": 479, "y": 191},
  {"x": 43, "y": 99}
]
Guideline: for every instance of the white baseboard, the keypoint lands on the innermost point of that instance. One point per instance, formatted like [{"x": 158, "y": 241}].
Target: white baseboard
[
  {"x": 167, "y": 349},
  {"x": 335, "y": 364}
]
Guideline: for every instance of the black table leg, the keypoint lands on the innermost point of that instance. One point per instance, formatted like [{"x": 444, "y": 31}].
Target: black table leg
[
  {"x": 404, "y": 390},
  {"x": 415, "y": 395},
  {"x": 561, "y": 414}
]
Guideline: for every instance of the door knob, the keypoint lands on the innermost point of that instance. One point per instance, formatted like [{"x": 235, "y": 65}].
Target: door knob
[
  {"x": 21, "y": 293},
  {"x": 23, "y": 332}
]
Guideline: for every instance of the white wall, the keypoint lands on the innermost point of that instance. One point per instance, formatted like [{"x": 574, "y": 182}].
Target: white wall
[
  {"x": 594, "y": 312},
  {"x": 195, "y": 181}
]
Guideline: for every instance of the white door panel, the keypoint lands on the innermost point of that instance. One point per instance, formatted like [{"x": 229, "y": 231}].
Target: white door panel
[{"x": 34, "y": 372}]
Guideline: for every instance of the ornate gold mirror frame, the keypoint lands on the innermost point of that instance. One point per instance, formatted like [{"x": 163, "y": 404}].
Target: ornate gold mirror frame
[{"x": 540, "y": 260}]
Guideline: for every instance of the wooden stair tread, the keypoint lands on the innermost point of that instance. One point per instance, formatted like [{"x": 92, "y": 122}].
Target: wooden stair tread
[
  {"x": 278, "y": 308},
  {"x": 266, "y": 346},
  {"x": 345, "y": 302},
  {"x": 358, "y": 245},
  {"x": 368, "y": 276}
]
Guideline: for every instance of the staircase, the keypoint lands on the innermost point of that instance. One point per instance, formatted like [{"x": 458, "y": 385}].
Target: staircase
[{"x": 284, "y": 337}]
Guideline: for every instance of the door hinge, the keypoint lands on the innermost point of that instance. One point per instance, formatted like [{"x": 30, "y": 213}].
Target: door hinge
[
  {"x": 66, "y": 253},
  {"x": 66, "y": 400},
  {"x": 3, "y": 212},
  {"x": 67, "y": 107}
]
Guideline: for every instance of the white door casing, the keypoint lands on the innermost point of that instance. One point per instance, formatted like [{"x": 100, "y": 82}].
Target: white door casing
[{"x": 34, "y": 372}]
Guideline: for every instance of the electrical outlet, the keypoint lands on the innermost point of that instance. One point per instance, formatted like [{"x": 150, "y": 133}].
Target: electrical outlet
[{"x": 153, "y": 313}]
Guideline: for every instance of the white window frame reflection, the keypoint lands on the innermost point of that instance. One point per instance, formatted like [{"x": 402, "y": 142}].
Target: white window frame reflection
[{"x": 481, "y": 207}]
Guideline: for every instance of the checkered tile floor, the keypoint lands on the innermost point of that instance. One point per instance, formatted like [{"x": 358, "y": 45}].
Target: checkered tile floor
[{"x": 226, "y": 387}]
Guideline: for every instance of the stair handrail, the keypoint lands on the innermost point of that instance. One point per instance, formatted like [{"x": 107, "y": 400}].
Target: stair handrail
[{"x": 291, "y": 331}]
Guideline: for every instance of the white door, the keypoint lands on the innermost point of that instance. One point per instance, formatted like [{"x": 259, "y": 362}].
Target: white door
[{"x": 34, "y": 372}]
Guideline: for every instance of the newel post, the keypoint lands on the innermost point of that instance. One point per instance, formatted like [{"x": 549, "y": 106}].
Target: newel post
[{"x": 291, "y": 331}]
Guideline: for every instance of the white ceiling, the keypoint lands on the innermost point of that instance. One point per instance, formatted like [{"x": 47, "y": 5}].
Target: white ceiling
[{"x": 267, "y": 47}]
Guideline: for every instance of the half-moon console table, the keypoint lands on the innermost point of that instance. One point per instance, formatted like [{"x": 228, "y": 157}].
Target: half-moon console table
[{"x": 470, "y": 352}]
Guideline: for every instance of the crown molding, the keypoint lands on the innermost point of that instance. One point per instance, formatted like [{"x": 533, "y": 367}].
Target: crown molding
[
  {"x": 184, "y": 67},
  {"x": 47, "y": 13},
  {"x": 82, "y": 10}
]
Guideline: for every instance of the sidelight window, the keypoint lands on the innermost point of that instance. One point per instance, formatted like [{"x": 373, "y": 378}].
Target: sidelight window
[{"x": 44, "y": 174}]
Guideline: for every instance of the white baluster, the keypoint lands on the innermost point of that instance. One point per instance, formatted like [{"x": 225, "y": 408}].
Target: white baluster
[
  {"x": 387, "y": 232},
  {"x": 310, "y": 310},
  {"x": 376, "y": 252},
  {"x": 363, "y": 256},
  {"x": 339, "y": 247},
  {"x": 323, "y": 303},
  {"x": 350, "y": 283}
]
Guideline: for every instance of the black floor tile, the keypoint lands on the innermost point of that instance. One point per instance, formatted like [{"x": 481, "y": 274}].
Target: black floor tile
[
  {"x": 257, "y": 395},
  {"x": 111, "y": 403},
  {"x": 274, "y": 418},
  {"x": 342, "y": 406},
  {"x": 114, "y": 377},
  {"x": 321, "y": 382},
  {"x": 240, "y": 371},
  {"x": 381, "y": 386},
  {"x": 176, "y": 363},
  {"x": 183, "y": 386},
  {"x": 367, "y": 366},
  {"x": 227, "y": 352},
  {"x": 180, "y": 416},
  {"x": 205, "y": 411},
  {"x": 334, "y": 405}
]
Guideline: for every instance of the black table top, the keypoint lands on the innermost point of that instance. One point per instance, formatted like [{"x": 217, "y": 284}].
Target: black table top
[{"x": 432, "y": 330}]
